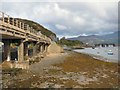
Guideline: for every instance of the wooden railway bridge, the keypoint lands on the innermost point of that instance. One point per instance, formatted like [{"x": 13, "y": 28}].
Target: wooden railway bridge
[{"x": 13, "y": 30}]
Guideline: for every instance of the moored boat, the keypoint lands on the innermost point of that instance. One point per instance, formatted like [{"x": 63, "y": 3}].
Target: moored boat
[{"x": 110, "y": 52}]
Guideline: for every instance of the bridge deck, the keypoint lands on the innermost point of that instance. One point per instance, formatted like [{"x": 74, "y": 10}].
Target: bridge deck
[{"x": 11, "y": 28}]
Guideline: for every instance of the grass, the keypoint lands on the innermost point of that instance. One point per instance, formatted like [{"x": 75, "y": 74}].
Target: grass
[
  {"x": 80, "y": 62},
  {"x": 35, "y": 60},
  {"x": 53, "y": 71},
  {"x": 11, "y": 71},
  {"x": 76, "y": 62},
  {"x": 70, "y": 83}
]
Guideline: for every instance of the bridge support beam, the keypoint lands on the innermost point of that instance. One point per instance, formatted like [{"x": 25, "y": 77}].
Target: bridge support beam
[
  {"x": 35, "y": 49},
  {"x": 21, "y": 51},
  {"x": 41, "y": 48},
  {"x": 26, "y": 49},
  {"x": 46, "y": 47},
  {"x": 7, "y": 50},
  {"x": 38, "y": 48}
]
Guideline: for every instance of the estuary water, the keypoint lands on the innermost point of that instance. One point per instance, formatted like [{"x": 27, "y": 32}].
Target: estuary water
[{"x": 102, "y": 53}]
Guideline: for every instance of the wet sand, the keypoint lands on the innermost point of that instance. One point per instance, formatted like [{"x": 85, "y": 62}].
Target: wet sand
[
  {"x": 67, "y": 70},
  {"x": 46, "y": 62}
]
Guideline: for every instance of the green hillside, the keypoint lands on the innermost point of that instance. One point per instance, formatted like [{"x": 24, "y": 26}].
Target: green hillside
[
  {"x": 64, "y": 41},
  {"x": 38, "y": 27}
]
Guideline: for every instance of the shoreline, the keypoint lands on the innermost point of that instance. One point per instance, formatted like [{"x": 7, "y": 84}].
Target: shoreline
[
  {"x": 99, "y": 57},
  {"x": 94, "y": 57}
]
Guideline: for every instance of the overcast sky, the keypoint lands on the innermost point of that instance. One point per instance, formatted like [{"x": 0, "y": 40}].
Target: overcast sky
[{"x": 68, "y": 18}]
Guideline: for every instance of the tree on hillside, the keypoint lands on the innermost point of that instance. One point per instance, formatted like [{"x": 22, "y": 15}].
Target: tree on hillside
[{"x": 64, "y": 41}]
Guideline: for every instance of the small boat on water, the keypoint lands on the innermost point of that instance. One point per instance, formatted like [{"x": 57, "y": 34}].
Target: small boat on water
[
  {"x": 110, "y": 52},
  {"x": 93, "y": 47}
]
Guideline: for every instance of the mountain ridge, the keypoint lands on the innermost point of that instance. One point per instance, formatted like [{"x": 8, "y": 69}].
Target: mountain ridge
[{"x": 94, "y": 39}]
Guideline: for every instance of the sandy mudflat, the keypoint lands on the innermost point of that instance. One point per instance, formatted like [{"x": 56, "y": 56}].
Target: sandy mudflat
[
  {"x": 48, "y": 61},
  {"x": 66, "y": 70}
]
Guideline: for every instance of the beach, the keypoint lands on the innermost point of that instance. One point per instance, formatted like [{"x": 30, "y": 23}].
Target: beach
[{"x": 66, "y": 70}]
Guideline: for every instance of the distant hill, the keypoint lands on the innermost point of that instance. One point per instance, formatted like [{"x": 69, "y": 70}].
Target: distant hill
[
  {"x": 66, "y": 42},
  {"x": 39, "y": 27},
  {"x": 94, "y": 39},
  {"x": 112, "y": 38},
  {"x": 113, "y": 35}
]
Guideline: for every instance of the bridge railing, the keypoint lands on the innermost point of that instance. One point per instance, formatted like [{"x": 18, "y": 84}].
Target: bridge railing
[
  {"x": 17, "y": 23},
  {"x": 12, "y": 21}
]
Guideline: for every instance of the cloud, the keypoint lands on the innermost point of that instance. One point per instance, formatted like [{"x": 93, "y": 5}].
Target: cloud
[
  {"x": 60, "y": 27},
  {"x": 79, "y": 20},
  {"x": 68, "y": 18},
  {"x": 59, "y": 0}
]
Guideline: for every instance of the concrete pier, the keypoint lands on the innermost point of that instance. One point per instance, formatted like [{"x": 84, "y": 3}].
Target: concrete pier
[
  {"x": 105, "y": 45},
  {"x": 21, "y": 51},
  {"x": 34, "y": 48},
  {"x": 6, "y": 50},
  {"x": 26, "y": 49}
]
